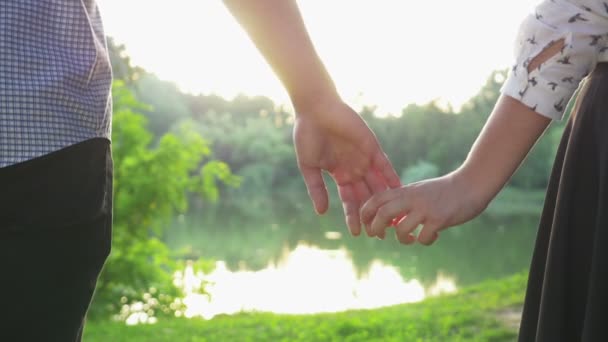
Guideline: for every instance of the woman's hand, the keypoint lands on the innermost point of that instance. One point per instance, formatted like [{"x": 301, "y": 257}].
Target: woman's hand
[
  {"x": 436, "y": 204},
  {"x": 506, "y": 138}
]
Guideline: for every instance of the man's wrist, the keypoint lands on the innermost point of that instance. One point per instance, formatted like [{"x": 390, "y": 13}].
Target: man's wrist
[{"x": 315, "y": 103}]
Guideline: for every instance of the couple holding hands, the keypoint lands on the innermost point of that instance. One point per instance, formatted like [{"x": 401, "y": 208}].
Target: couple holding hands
[
  {"x": 559, "y": 46},
  {"x": 56, "y": 166}
]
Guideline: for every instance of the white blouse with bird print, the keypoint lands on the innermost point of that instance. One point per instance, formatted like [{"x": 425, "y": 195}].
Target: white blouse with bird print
[{"x": 582, "y": 26}]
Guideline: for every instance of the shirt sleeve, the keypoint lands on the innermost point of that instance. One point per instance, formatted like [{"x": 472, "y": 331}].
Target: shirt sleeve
[{"x": 548, "y": 88}]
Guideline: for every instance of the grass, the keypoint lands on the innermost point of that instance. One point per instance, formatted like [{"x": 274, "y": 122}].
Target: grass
[{"x": 473, "y": 314}]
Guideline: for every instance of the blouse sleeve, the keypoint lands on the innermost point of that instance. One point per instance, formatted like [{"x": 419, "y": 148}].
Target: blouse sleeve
[{"x": 548, "y": 88}]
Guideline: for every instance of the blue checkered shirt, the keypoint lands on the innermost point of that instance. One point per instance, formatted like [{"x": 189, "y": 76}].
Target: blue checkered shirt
[{"x": 55, "y": 77}]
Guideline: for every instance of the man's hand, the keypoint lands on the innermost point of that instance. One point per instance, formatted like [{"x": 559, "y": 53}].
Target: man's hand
[
  {"x": 328, "y": 134},
  {"x": 337, "y": 140}
]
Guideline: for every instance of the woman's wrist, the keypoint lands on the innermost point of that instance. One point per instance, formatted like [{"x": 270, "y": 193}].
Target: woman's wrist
[{"x": 476, "y": 193}]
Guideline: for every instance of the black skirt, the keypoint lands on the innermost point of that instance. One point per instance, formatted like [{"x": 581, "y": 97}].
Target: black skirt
[{"x": 567, "y": 294}]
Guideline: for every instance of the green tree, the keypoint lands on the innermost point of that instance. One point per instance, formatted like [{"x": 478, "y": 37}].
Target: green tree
[
  {"x": 151, "y": 185},
  {"x": 259, "y": 150},
  {"x": 168, "y": 103},
  {"x": 122, "y": 69}
]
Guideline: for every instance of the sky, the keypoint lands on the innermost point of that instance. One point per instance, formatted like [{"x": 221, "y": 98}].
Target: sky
[{"x": 387, "y": 53}]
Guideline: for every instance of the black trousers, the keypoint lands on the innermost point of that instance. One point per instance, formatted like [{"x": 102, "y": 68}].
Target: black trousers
[{"x": 55, "y": 235}]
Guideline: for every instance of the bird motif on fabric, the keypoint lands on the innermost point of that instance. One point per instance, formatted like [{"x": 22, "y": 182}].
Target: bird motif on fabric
[
  {"x": 571, "y": 43},
  {"x": 553, "y": 85},
  {"x": 577, "y": 17},
  {"x": 595, "y": 39},
  {"x": 559, "y": 106},
  {"x": 564, "y": 60},
  {"x": 523, "y": 92}
]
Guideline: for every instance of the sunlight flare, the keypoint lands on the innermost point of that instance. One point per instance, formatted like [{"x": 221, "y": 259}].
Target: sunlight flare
[{"x": 307, "y": 280}]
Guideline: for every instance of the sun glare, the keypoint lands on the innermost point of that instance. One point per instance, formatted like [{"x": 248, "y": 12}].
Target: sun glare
[
  {"x": 307, "y": 280},
  {"x": 380, "y": 52}
]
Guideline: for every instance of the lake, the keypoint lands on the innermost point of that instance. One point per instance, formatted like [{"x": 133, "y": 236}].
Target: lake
[{"x": 308, "y": 264}]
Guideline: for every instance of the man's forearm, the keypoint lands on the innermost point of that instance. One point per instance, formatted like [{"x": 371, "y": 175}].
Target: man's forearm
[
  {"x": 504, "y": 142},
  {"x": 277, "y": 29}
]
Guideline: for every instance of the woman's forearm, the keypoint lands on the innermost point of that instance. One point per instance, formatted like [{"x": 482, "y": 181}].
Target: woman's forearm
[
  {"x": 507, "y": 137},
  {"x": 277, "y": 29}
]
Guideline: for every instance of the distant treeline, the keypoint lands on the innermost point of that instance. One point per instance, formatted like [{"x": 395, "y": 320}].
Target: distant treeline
[{"x": 253, "y": 136}]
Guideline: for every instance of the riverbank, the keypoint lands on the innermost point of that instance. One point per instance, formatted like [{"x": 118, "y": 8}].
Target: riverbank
[{"x": 485, "y": 312}]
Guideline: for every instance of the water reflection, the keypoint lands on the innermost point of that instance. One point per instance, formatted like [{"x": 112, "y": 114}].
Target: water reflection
[
  {"x": 309, "y": 264},
  {"x": 305, "y": 280},
  {"x": 333, "y": 235},
  {"x": 484, "y": 249}
]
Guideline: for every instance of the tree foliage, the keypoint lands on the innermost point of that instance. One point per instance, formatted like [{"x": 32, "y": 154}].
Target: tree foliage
[{"x": 152, "y": 183}]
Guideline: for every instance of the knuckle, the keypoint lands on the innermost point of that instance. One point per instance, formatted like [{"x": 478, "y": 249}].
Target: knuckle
[
  {"x": 436, "y": 219},
  {"x": 383, "y": 161},
  {"x": 383, "y": 213},
  {"x": 367, "y": 212},
  {"x": 371, "y": 203},
  {"x": 405, "y": 191},
  {"x": 363, "y": 213},
  {"x": 408, "y": 227}
]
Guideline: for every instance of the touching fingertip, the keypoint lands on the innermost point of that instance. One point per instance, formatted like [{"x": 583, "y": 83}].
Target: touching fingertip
[
  {"x": 319, "y": 208},
  {"x": 354, "y": 227},
  {"x": 435, "y": 238},
  {"x": 355, "y": 231}
]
